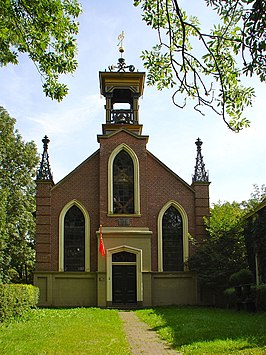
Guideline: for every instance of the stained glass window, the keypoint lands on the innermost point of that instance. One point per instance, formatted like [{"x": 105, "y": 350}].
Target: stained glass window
[
  {"x": 172, "y": 240},
  {"x": 123, "y": 184},
  {"x": 74, "y": 240}
]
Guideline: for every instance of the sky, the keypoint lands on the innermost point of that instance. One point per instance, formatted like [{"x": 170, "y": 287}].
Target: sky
[{"x": 235, "y": 161}]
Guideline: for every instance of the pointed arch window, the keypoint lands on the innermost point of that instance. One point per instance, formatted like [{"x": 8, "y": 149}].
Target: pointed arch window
[
  {"x": 172, "y": 240},
  {"x": 123, "y": 184},
  {"x": 74, "y": 240}
]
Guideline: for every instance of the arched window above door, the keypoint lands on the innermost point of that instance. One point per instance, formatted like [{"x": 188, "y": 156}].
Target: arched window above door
[{"x": 123, "y": 182}]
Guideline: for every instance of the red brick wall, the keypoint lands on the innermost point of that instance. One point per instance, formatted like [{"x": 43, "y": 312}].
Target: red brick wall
[
  {"x": 82, "y": 185},
  {"x": 43, "y": 226},
  {"x": 88, "y": 184},
  {"x": 163, "y": 186},
  {"x": 202, "y": 208}
]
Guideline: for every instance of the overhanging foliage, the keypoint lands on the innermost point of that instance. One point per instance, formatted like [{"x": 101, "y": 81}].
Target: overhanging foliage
[
  {"x": 207, "y": 66},
  {"x": 45, "y": 30}
]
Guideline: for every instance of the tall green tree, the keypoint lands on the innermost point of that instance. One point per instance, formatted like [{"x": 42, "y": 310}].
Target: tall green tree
[
  {"x": 45, "y": 30},
  {"x": 255, "y": 233},
  {"x": 207, "y": 66},
  {"x": 256, "y": 197},
  {"x": 18, "y": 162},
  {"x": 224, "y": 252}
]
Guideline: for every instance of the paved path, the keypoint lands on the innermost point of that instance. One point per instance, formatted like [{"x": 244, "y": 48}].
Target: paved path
[{"x": 142, "y": 339}]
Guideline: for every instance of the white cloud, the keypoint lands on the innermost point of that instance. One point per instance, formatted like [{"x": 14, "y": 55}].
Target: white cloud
[{"x": 70, "y": 118}]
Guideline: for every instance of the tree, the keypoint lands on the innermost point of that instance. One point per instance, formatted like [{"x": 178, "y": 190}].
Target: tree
[
  {"x": 208, "y": 66},
  {"x": 224, "y": 252},
  {"x": 256, "y": 197},
  {"x": 45, "y": 30},
  {"x": 18, "y": 162},
  {"x": 255, "y": 232}
]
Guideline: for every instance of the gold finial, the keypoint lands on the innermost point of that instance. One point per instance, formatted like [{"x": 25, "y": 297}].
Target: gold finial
[
  {"x": 121, "y": 65},
  {"x": 120, "y": 43}
]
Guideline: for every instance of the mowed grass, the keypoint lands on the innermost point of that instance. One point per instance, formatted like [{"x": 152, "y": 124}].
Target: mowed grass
[
  {"x": 190, "y": 330},
  {"x": 65, "y": 331},
  {"x": 196, "y": 330}
]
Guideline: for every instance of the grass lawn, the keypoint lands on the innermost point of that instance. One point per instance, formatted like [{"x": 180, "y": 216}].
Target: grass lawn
[
  {"x": 195, "y": 330},
  {"x": 190, "y": 330},
  {"x": 65, "y": 331}
]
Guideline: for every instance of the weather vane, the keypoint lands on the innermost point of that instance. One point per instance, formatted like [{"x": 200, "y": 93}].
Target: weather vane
[
  {"x": 121, "y": 65},
  {"x": 120, "y": 43}
]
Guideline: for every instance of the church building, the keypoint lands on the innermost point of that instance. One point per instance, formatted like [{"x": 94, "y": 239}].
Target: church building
[{"x": 116, "y": 231}]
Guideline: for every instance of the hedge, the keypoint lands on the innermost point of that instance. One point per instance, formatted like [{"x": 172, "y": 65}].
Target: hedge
[
  {"x": 15, "y": 299},
  {"x": 261, "y": 297},
  {"x": 257, "y": 294},
  {"x": 242, "y": 277}
]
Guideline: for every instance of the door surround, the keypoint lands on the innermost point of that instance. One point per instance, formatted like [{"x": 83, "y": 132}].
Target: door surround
[{"x": 109, "y": 278}]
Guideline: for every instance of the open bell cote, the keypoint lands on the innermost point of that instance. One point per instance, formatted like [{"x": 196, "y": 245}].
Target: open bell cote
[{"x": 122, "y": 91}]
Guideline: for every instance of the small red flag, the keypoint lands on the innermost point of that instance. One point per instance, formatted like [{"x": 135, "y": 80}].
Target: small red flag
[{"x": 101, "y": 246}]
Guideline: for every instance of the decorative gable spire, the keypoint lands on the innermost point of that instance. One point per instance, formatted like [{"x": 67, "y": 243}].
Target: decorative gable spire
[
  {"x": 44, "y": 172},
  {"x": 200, "y": 174}
]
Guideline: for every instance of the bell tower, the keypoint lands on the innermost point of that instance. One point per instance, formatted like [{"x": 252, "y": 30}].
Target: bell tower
[{"x": 122, "y": 89}]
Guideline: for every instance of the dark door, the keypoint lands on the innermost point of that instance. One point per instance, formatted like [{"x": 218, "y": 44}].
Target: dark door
[{"x": 124, "y": 284}]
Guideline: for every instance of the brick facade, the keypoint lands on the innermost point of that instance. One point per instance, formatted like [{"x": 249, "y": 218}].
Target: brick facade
[{"x": 88, "y": 185}]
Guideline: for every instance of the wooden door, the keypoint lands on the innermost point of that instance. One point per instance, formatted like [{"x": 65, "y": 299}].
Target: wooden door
[{"x": 124, "y": 284}]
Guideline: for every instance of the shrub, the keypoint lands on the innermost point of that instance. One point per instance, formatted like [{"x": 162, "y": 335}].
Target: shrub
[
  {"x": 261, "y": 297},
  {"x": 17, "y": 299},
  {"x": 230, "y": 297},
  {"x": 242, "y": 277}
]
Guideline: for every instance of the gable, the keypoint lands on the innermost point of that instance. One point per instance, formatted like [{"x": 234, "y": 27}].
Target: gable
[
  {"x": 87, "y": 164},
  {"x": 164, "y": 170}
]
